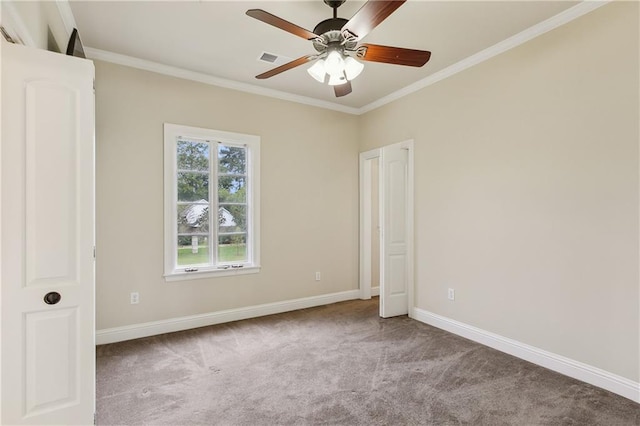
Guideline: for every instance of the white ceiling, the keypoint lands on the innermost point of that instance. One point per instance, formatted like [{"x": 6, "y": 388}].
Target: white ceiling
[{"x": 217, "y": 38}]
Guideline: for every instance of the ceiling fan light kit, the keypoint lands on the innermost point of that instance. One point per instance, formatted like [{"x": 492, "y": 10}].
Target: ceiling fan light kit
[
  {"x": 340, "y": 68},
  {"x": 334, "y": 64},
  {"x": 352, "y": 68},
  {"x": 317, "y": 71},
  {"x": 336, "y": 41},
  {"x": 336, "y": 80}
]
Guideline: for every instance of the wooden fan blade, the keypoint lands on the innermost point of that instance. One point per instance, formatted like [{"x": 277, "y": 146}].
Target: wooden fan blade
[
  {"x": 393, "y": 55},
  {"x": 342, "y": 89},
  {"x": 270, "y": 19},
  {"x": 295, "y": 63},
  {"x": 370, "y": 16}
]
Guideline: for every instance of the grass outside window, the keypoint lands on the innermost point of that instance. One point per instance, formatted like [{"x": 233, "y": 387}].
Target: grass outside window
[{"x": 227, "y": 253}]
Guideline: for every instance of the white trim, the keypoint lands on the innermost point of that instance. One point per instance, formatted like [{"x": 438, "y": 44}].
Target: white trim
[
  {"x": 214, "y": 273},
  {"x": 15, "y": 26},
  {"x": 1, "y": 222},
  {"x": 569, "y": 367},
  {"x": 19, "y": 32},
  {"x": 365, "y": 221},
  {"x": 530, "y": 33},
  {"x": 370, "y": 155},
  {"x": 172, "y": 132},
  {"x": 136, "y": 331},
  {"x": 488, "y": 53},
  {"x": 408, "y": 145},
  {"x": 103, "y": 55},
  {"x": 375, "y": 291},
  {"x": 66, "y": 14}
]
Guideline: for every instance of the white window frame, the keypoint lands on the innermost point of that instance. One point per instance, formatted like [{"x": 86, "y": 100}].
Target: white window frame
[{"x": 172, "y": 133}]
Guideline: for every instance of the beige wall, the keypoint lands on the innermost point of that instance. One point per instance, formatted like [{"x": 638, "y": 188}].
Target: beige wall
[
  {"x": 526, "y": 190},
  {"x": 309, "y": 191}
]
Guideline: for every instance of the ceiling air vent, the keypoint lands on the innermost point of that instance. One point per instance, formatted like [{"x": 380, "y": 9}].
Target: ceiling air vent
[
  {"x": 272, "y": 58},
  {"x": 268, "y": 57}
]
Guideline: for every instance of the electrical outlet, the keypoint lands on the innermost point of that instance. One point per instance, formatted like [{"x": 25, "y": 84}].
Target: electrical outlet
[
  {"x": 317, "y": 276},
  {"x": 135, "y": 298},
  {"x": 451, "y": 294}
]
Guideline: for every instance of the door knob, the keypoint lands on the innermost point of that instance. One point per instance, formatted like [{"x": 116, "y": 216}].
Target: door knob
[{"x": 52, "y": 298}]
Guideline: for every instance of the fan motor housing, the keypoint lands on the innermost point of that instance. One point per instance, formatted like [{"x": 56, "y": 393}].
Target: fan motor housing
[
  {"x": 330, "y": 34},
  {"x": 331, "y": 24}
]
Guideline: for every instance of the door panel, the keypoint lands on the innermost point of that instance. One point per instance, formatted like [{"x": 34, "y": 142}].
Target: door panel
[
  {"x": 394, "y": 283},
  {"x": 51, "y": 169},
  {"x": 397, "y": 269},
  {"x": 397, "y": 174},
  {"x": 48, "y": 350},
  {"x": 51, "y": 348}
]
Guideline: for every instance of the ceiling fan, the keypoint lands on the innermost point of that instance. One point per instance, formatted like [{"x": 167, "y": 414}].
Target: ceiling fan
[{"x": 336, "y": 41}]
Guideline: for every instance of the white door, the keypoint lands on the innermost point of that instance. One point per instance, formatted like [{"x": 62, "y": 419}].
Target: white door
[
  {"x": 396, "y": 201},
  {"x": 47, "y": 157}
]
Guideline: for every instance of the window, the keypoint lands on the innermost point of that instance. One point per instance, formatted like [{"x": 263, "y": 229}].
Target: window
[{"x": 211, "y": 215}]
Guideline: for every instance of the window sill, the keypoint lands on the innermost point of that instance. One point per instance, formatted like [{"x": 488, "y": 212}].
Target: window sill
[{"x": 215, "y": 273}]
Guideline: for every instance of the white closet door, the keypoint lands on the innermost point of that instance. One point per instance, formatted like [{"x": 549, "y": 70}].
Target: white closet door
[
  {"x": 395, "y": 201},
  {"x": 47, "y": 158}
]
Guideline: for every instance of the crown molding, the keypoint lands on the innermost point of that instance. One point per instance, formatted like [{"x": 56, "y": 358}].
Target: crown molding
[
  {"x": 70, "y": 23},
  {"x": 15, "y": 26},
  {"x": 172, "y": 71},
  {"x": 66, "y": 14},
  {"x": 488, "y": 53},
  {"x": 530, "y": 33}
]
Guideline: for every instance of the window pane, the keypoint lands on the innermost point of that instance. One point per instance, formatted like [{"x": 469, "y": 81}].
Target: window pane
[
  {"x": 193, "y": 250},
  {"x": 193, "y": 219},
  {"x": 232, "y": 159},
  {"x": 232, "y": 218},
  {"x": 193, "y": 156},
  {"x": 193, "y": 186},
  {"x": 232, "y": 189},
  {"x": 232, "y": 248}
]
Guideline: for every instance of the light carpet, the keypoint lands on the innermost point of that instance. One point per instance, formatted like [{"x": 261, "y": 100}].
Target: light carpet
[{"x": 337, "y": 365}]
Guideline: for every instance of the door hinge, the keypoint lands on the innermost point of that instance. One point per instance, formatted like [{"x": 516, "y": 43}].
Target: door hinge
[{"x": 94, "y": 252}]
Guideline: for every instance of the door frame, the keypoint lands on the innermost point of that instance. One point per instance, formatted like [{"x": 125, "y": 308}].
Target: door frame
[{"x": 366, "y": 218}]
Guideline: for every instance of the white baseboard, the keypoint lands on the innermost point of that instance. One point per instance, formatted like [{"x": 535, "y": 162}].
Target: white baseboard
[
  {"x": 136, "y": 331},
  {"x": 578, "y": 370},
  {"x": 569, "y": 367}
]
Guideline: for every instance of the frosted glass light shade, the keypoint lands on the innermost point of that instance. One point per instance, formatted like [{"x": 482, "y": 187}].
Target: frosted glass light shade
[
  {"x": 335, "y": 80},
  {"x": 352, "y": 68},
  {"x": 334, "y": 64},
  {"x": 317, "y": 70}
]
